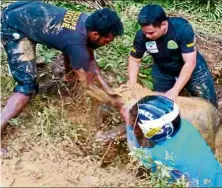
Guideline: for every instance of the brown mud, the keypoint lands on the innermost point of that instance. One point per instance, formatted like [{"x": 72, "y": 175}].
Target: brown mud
[{"x": 60, "y": 165}]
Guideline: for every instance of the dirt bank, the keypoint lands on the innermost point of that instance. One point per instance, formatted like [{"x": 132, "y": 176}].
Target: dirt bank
[{"x": 50, "y": 166}]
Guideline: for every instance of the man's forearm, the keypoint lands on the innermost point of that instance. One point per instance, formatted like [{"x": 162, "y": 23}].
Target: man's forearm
[
  {"x": 98, "y": 76},
  {"x": 95, "y": 69},
  {"x": 102, "y": 82},
  {"x": 184, "y": 76},
  {"x": 133, "y": 70}
]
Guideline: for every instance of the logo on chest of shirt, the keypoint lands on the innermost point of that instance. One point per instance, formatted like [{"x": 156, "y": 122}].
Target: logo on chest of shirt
[
  {"x": 151, "y": 47},
  {"x": 70, "y": 19}
]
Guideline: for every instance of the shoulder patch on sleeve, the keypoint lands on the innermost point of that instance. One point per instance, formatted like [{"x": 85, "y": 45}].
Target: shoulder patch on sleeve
[
  {"x": 133, "y": 49},
  {"x": 190, "y": 44}
]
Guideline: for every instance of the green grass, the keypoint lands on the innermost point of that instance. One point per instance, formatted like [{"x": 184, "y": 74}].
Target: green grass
[
  {"x": 47, "y": 54},
  {"x": 45, "y": 114},
  {"x": 161, "y": 177}
]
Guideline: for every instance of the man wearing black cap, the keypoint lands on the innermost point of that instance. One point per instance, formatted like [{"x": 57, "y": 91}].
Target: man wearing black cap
[{"x": 177, "y": 63}]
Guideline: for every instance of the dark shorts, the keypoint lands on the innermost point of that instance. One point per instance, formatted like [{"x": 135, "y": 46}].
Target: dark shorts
[
  {"x": 21, "y": 59},
  {"x": 201, "y": 83}
]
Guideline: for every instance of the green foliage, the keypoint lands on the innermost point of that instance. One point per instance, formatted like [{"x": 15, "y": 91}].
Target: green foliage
[
  {"x": 161, "y": 177},
  {"x": 51, "y": 122},
  {"x": 114, "y": 57},
  {"x": 145, "y": 77},
  {"x": 70, "y": 5},
  {"x": 209, "y": 8},
  {"x": 48, "y": 54},
  {"x": 7, "y": 82},
  {"x": 206, "y": 8},
  {"x": 217, "y": 11}
]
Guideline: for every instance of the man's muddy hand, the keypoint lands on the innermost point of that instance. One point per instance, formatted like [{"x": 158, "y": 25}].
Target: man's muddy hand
[
  {"x": 111, "y": 92},
  {"x": 171, "y": 94},
  {"x": 125, "y": 115}
]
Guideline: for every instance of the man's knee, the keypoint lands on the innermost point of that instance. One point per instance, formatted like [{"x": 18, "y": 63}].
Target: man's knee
[
  {"x": 28, "y": 89},
  {"x": 204, "y": 90}
]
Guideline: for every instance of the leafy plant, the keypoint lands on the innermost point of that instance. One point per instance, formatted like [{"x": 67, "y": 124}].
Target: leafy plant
[
  {"x": 70, "y": 5},
  {"x": 7, "y": 82},
  {"x": 210, "y": 8},
  {"x": 52, "y": 122},
  {"x": 161, "y": 177},
  {"x": 48, "y": 54}
]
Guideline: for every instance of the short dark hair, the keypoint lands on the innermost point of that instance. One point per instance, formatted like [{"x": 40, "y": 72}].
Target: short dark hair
[
  {"x": 105, "y": 21},
  {"x": 151, "y": 15}
]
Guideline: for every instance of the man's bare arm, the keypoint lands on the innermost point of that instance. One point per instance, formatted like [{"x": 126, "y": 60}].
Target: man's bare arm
[
  {"x": 98, "y": 76},
  {"x": 184, "y": 76},
  {"x": 133, "y": 69},
  {"x": 87, "y": 80}
]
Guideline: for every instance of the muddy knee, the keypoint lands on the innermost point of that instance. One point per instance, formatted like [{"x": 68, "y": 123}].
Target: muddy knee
[{"x": 28, "y": 89}]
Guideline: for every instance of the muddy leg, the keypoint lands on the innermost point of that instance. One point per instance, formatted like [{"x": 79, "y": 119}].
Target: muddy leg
[
  {"x": 21, "y": 60},
  {"x": 201, "y": 84},
  {"x": 14, "y": 106}
]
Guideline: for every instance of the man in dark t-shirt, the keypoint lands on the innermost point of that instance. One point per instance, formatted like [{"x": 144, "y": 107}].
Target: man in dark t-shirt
[
  {"x": 24, "y": 24},
  {"x": 177, "y": 63}
]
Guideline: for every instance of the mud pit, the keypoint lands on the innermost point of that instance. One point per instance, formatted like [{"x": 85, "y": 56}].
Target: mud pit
[
  {"x": 44, "y": 166},
  {"x": 57, "y": 163},
  {"x": 44, "y": 162},
  {"x": 47, "y": 162}
]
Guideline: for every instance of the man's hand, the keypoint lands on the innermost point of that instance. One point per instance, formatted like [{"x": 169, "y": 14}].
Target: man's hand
[
  {"x": 125, "y": 114},
  {"x": 172, "y": 94}
]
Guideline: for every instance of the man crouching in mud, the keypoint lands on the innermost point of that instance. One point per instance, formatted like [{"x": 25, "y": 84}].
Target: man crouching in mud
[{"x": 75, "y": 34}]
